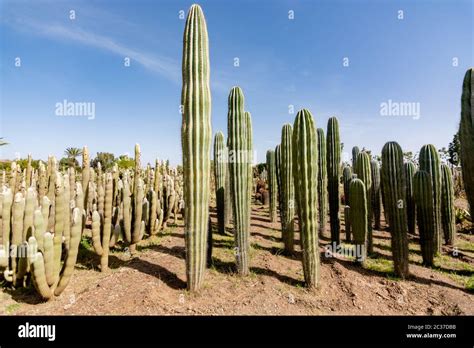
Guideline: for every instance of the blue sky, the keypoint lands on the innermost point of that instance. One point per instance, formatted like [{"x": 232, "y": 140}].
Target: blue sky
[{"x": 283, "y": 62}]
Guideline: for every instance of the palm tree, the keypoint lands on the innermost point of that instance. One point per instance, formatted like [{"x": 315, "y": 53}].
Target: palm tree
[{"x": 72, "y": 153}]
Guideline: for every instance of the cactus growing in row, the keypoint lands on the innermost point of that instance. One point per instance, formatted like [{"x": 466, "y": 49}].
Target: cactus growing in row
[
  {"x": 355, "y": 152},
  {"x": 333, "y": 152},
  {"x": 322, "y": 180},
  {"x": 347, "y": 222},
  {"x": 85, "y": 174},
  {"x": 430, "y": 163},
  {"x": 423, "y": 195},
  {"x": 272, "y": 184},
  {"x": 239, "y": 171},
  {"x": 393, "y": 185},
  {"x": 376, "y": 208},
  {"x": 363, "y": 171},
  {"x": 409, "y": 170},
  {"x": 287, "y": 188},
  {"x": 448, "y": 218},
  {"x": 220, "y": 168},
  {"x": 305, "y": 166},
  {"x": 466, "y": 136},
  {"x": 279, "y": 183},
  {"x": 359, "y": 215},
  {"x": 346, "y": 180},
  {"x": 196, "y": 139}
]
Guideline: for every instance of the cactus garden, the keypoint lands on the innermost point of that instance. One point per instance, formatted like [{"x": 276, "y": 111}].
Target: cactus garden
[{"x": 297, "y": 213}]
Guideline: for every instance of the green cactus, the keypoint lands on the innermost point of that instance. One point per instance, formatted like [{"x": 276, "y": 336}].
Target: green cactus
[
  {"x": 359, "y": 215},
  {"x": 333, "y": 148},
  {"x": 423, "y": 196},
  {"x": 287, "y": 188},
  {"x": 393, "y": 185},
  {"x": 272, "y": 184},
  {"x": 305, "y": 166},
  {"x": 86, "y": 175},
  {"x": 355, "y": 152},
  {"x": 322, "y": 181},
  {"x": 375, "y": 201},
  {"x": 220, "y": 165},
  {"x": 347, "y": 222},
  {"x": 466, "y": 136},
  {"x": 249, "y": 157},
  {"x": 363, "y": 171},
  {"x": 239, "y": 171},
  {"x": 448, "y": 216},
  {"x": 409, "y": 170},
  {"x": 430, "y": 163},
  {"x": 196, "y": 136},
  {"x": 346, "y": 180},
  {"x": 278, "y": 175}
]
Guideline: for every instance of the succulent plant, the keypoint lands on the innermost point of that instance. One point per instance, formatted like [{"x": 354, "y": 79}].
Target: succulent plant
[
  {"x": 375, "y": 201},
  {"x": 220, "y": 167},
  {"x": 287, "y": 188},
  {"x": 363, "y": 171},
  {"x": 272, "y": 185},
  {"x": 448, "y": 215},
  {"x": 322, "y": 181},
  {"x": 359, "y": 212},
  {"x": 333, "y": 148}
]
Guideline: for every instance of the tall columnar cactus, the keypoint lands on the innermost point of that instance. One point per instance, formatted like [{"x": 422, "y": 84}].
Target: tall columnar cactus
[
  {"x": 466, "y": 136},
  {"x": 333, "y": 148},
  {"x": 220, "y": 168},
  {"x": 279, "y": 183},
  {"x": 249, "y": 157},
  {"x": 287, "y": 188},
  {"x": 102, "y": 226},
  {"x": 409, "y": 170},
  {"x": 322, "y": 181},
  {"x": 430, "y": 162},
  {"x": 346, "y": 180},
  {"x": 196, "y": 141},
  {"x": 355, "y": 152},
  {"x": 448, "y": 217},
  {"x": 347, "y": 222},
  {"x": 393, "y": 185},
  {"x": 227, "y": 199},
  {"x": 363, "y": 171},
  {"x": 85, "y": 175},
  {"x": 305, "y": 167},
  {"x": 272, "y": 184},
  {"x": 423, "y": 195},
  {"x": 359, "y": 211},
  {"x": 238, "y": 166},
  {"x": 375, "y": 202}
]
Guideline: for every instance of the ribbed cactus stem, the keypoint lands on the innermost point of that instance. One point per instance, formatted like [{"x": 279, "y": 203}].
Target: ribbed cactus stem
[
  {"x": 423, "y": 195},
  {"x": 305, "y": 166},
  {"x": 359, "y": 212},
  {"x": 287, "y": 189},
  {"x": 346, "y": 179},
  {"x": 448, "y": 216},
  {"x": 466, "y": 136},
  {"x": 430, "y": 163},
  {"x": 220, "y": 166},
  {"x": 272, "y": 185},
  {"x": 238, "y": 166},
  {"x": 347, "y": 222},
  {"x": 196, "y": 136},
  {"x": 322, "y": 181},
  {"x": 409, "y": 170},
  {"x": 279, "y": 183},
  {"x": 333, "y": 148},
  {"x": 355, "y": 152},
  {"x": 85, "y": 175},
  {"x": 363, "y": 171},
  {"x": 393, "y": 180}
]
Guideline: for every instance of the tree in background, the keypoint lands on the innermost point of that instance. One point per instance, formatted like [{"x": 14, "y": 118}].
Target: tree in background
[
  {"x": 454, "y": 149},
  {"x": 106, "y": 160}
]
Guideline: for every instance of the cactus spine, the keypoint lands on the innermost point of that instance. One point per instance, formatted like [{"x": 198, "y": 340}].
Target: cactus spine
[
  {"x": 196, "y": 140},
  {"x": 423, "y": 195},
  {"x": 287, "y": 189},
  {"x": 272, "y": 184},
  {"x": 409, "y": 169},
  {"x": 239, "y": 171},
  {"x": 333, "y": 148},
  {"x": 375, "y": 201},
  {"x": 305, "y": 166},
  {"x": 220, "y": 165},
  {"x": 448, "y": 217},
  {"x": 466, "y": 136},
  {"x": 430, "y": 163},
  {"x": 363, "y": 171},
  {"x": 322, "y": 181},
  {"x": 393, "y": 184},
  {"x": 359, "y": 212}
]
